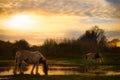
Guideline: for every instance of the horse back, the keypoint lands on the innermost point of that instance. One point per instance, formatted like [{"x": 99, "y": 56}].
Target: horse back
[{"x": 29, "y": 56}]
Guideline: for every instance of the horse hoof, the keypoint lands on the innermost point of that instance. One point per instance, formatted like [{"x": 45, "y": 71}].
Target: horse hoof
[
  {"x": 21, "y": 73},
  {"x": 15, "y": 74},
  {"x": 46, "y": 74},
  {"x": 37, "y": 73},
  {"x": 31, "y": 73}
]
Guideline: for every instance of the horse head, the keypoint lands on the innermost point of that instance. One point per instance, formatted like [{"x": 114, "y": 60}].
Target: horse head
[{"x": 44, "y": 64}]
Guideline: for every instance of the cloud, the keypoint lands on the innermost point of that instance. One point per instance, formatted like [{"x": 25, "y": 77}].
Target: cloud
[
  {"x": 114, "y": 2},
  {"x": 113, "y": 34},
  {"x": 73, "y": 34},
  {"x": 89, "y": 8},
  {"x": 98, "y": 20},
  {"x": 115, "y": 7},
  {"x": 32, "y": 37}
]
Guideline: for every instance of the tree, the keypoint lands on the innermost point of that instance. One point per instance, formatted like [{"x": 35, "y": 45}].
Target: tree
[
  {"x": 94, "y": 39},
  {"x": 50, "y": 42},
  {"x": 22, "y": 44},
  {"x": 34, "y": 48},
  {"x": 113, "y": 43},
  {"x": 48, "y": 46}
]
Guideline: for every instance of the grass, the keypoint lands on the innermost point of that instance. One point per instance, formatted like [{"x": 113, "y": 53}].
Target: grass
[
  {"x": 59, "y": 77},
  {"x": 108, "y": 61},
  {"x": 72, "y": 61},
  {"x": 115, "y": 68}
]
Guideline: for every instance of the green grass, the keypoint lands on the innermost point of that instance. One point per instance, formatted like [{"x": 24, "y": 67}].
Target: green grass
[
  {"x": 72, "y": 61},
  {"x": 59, "y": 77},
  {"x": 109, "y": 59},
  {"x": 115, "y": 68}
]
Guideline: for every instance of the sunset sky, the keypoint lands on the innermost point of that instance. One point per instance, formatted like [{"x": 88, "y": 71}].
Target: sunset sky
[{"x": 38, "y": 20}]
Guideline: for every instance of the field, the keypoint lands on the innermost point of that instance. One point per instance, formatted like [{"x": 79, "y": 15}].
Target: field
[{"x": 109, "y": 70}]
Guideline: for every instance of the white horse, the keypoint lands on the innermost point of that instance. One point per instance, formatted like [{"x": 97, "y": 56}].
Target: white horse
[
  {"x": 30, "y": 57},
  {"x": 94, "y": 56}
]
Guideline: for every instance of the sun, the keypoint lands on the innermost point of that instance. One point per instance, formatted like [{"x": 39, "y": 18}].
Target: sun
[
  {"x": 25, "y": 22},
  {"x": 20, "y": 21}
]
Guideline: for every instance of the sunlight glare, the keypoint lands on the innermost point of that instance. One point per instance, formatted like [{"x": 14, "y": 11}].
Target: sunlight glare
[{"x": 20, "y": 22}]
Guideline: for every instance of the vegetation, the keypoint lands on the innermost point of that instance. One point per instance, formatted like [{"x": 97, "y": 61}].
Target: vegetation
[
  {"x": 67, "y": 52},
  {"x": 93, "y": 40}
]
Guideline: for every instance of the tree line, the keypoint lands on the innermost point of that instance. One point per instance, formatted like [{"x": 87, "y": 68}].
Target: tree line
[{"x": 93, "y": 40}]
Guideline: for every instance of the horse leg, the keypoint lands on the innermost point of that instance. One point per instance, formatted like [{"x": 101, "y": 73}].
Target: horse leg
[
  {"x": 32, "y": 69},
  {"x": 100, "y": 61},
  {"x": 16, "y": 64},
  {"x": 20, "y": 67},
  {"x": 37, "y": 69}
]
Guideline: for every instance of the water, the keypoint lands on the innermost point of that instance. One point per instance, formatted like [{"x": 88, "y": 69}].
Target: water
[
  {"x": 53, "y": 70},
  {"x": 61, "y": 70}
]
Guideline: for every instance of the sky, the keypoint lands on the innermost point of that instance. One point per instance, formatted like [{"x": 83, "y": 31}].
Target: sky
[{"x": 38, "y": 20}]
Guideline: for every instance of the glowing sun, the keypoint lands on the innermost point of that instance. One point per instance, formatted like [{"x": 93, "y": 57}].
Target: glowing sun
[{"x": 20, "y": 22}]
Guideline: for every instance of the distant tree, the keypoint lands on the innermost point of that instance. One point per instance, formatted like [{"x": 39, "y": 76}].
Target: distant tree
[
  {"x": 113, "y": 43},
  {"x": 2, "y": 47},
  {"x": 22, "y": 44},
  {"x": 50, "y": 42},
  {"x": 48, "y": 46},
  {"x": 6, "y": 49},
  {"x": 34, "y": 48},
  {"x": 94, "y": 39}
]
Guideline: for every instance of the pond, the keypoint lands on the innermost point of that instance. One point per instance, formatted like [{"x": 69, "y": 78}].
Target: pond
[
  {"x": 54, "y": 69},
  {"x": 60, "y": 69}
]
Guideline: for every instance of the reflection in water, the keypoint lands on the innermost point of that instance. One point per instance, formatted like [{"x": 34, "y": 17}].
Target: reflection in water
[
  {"x": 7, "y": 72},
  {"x": 53, "y": 70},
  {"x": 112, "y": 73},
  {"x": 59, "y": 70},
  {"x": 63, "y": 70}
]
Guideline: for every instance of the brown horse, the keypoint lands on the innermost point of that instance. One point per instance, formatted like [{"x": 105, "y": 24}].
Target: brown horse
[{"x": 30, "y": 57}]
